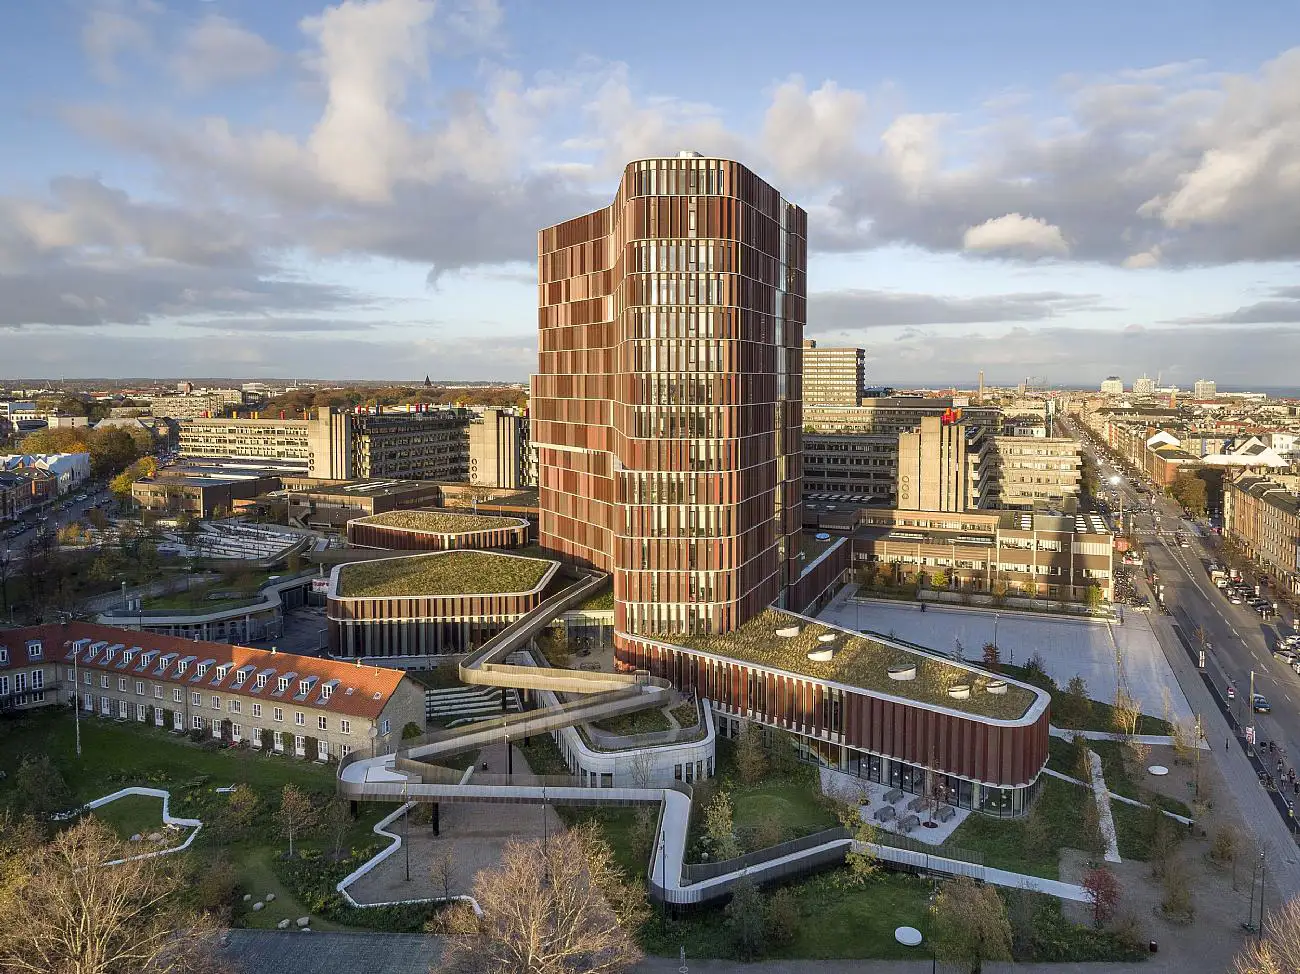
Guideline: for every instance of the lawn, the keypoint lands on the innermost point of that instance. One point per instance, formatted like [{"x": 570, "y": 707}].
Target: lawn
[
  {"x": 838, "y": 920},
  {"x": 444, "y": 676},
  {"x": 443, "y": 573},
  {"x": 117, "y": 755},
  {"x": 1101, "y": 715},
  {"x": 239, "y": 590},
  {"x": 1009, "y": 843},
  {"x": 438, "y": 522}
]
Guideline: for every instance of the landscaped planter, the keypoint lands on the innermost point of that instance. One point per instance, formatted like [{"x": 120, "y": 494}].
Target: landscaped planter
[
  {"x": 902, "y": 671},
  {"x": 996, "y": 687},
  {"x": 789, "y": 632},
  {"x": 822, "y": 655},
  {"x": 960, "y": 691}
]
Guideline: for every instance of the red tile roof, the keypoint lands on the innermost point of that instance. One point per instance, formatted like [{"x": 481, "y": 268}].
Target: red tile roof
[{"x": 357, "y": 691}]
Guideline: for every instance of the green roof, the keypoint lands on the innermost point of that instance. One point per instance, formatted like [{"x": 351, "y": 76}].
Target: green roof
[
  {"x": 441, "y": 573},
  {"x": 438, "y": 522},
  {"x": 862, "y": 662}
]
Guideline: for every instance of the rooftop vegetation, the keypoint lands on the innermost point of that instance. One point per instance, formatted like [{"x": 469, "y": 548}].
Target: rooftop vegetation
[
  {"x": 862, "y": 662},
  {"x": 443, "y": 573},
  {"x": 437, "y": 522}
]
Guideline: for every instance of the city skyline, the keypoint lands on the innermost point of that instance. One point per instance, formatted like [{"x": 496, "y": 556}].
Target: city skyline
[{"x": 218, "y": 187}]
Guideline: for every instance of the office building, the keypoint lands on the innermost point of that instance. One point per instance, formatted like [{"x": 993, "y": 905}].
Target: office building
[
  {"x": 1144, "y": 385},
  {"x": 426, "y": 445},
  {"x": 833, "y": 376},
  {"x": 666, "y": 407},
  {"x": 892, "y": 415},
  {"x": 1112, "y": 385},
  {"x": 934, "y": 471},
  {"x": 1032, "y": 472},
  {"x": 1205, "y": 389},
  {"x": 499, "y": 449},
  {"x": 1264, "y": 516}
]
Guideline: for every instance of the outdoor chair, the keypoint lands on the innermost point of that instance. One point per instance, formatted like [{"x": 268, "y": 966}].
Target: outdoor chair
[
  {"x": 885, "y": 812},
  {"x": 909, "y": 823},
  {"x": 893, "y": 795},
  {"x": 916, "y": 804}
]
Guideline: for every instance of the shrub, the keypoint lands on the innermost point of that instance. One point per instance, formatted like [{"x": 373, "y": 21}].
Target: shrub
[
  {"x": 411, "y": 730},
  {"x": 215, "y": 888},
  {"x": 783, "y": 918}
]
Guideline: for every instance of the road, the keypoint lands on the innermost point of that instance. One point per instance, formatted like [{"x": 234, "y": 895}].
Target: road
[
  {"x": 1238, "y": 641},
  {"x": 76, "y": 511}
]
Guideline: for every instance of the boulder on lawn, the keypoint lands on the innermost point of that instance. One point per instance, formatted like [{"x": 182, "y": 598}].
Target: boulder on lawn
[
  {"x": 258, "y": 906},
  {"x": 303, "y": 921},
  {"x": 136, "y": 837},
  {"x": 155, "y": 836},
  {"x": 270, "y": 897},
  {"x": 247, "y": 897},
  {"x": 283, "y": 924}
]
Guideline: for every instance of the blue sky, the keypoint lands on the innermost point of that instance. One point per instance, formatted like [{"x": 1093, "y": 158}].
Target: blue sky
[{"x": 352, "y": 189}]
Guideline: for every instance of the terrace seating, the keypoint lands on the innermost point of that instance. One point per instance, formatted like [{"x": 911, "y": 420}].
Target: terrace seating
[
  {"x": 893, "y": 795},
  {"x": 945, "y": 813},
  {"x": 885, "y": 812},
  {"x": 916, "y": 804},
  {"x": 909, "y": 823}
]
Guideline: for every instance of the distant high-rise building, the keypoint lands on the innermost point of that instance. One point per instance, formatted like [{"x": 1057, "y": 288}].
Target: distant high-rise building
[
  {"x": 666, "y": 407},
  {"x": 498, "y": 449},
  {"x": 833, "y": 376},
  {"x": 1144, "y": 385},
  {"x": 1204, "y": 389},
  {"x": 933, "y": 468},
  {"x": 1112, "y": 385}
]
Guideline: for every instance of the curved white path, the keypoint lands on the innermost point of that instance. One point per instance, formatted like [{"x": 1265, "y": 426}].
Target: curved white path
[{"x": 193, "y": 824}]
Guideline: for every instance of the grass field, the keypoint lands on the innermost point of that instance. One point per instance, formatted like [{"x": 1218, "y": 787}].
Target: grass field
[
  {"x": 1005, "y": 844},
  {"x": 117, "y": 755},
  {"x": 641, "y": 722}
]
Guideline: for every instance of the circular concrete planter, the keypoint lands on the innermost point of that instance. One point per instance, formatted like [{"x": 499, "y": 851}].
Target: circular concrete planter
[
  {"x": 902, "y": 672},
  {"x": 996, "y": 687},
  {"x": 960, "y": 691},
  {"x": 822, "y": 655},
  {"x": 789, "y": 632},
  {"x": 827, "y": 637}
]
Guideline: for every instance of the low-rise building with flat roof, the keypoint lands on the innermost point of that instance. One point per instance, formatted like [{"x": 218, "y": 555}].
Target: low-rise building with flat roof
[
  {"x": 436, "y": 531},
  {"x": 429, "y": 604}
]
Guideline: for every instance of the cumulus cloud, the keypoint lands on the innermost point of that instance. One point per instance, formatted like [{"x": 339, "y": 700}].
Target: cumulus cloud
[
  {"x": 812, "y": 135},
  {"x": 1015, "y": 234},
  {"x": 218, "y": 50},
  {"x": 1283, "y": 306},
  {"x": 115, "y": 29},
  {"x": 851, "y": 310}
]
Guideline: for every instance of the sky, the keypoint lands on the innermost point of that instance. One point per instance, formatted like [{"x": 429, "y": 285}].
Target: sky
[{"x": 299, "y": 189}]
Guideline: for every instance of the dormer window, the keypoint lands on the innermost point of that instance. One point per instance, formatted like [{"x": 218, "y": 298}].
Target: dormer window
[
  {"x": 261, "y": 680},
  {"x": 35, "y": 650},
  {"x": 222, "y": 671},
  {"x": 109, "y": 654},
  {"x": 180, "y": 667},
  {"x": 282, "y": 684},
  {"x": 304, "y": 686},
  {"x": 203, "y": 669},
  {"x": 327, "y": 690},
  {"x": 128, "y": 656},
  {"x": 4, "y": 655},
  {"x": 147, "y": 660}
]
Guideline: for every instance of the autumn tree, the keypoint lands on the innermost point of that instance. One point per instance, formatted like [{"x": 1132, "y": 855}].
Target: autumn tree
[
  {"x": 992, "y": 657},
  {"x": 751, "y": 754},
  {"x": 862, "y": 862},
  {"x": 238, "y": 816},
  {"x": 1103, "y": 891},
  {"x": 1277, "y": 951},
  {"x": 40, "y": 788},
  {"x": 558, "y": 905},
  {"x": 970, "y": 925},
  {"x": 747, "y": 920},
  {"x": 719, "y": 827},
  {"x": 337, "y": 822},
  {"x": 297, "y": 815},
  {"x": 66, "y": 911},
  {"x": 1072, "y": 704}
]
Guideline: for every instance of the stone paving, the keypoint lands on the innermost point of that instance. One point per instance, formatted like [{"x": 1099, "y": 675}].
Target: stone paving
[
  {"x": 473, "y": 833},
  {"x": 1094, "y": 650}
]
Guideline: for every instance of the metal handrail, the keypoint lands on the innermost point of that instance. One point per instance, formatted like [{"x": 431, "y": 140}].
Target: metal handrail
[{"x": 696, "y": 872}]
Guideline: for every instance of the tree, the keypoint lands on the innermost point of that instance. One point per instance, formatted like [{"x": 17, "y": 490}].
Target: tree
[
  {"x": 1125, "y": 713},
  {"x": 66, "y": 911},
  {"x": 1092, "y": 597},
  {"x": 1277, "y": 951},
  {"x": 558, "y": 905},
  {"x": 297, "y": 814},
  {"x": 641, "y": 836},
  {"x": 443, "y": 871},
  {"x": 751, "y": 754},
  {"x": 239, "y": 815},
  {"x": 860, "y": 859},
  {"x": 1103, "y": 891},
  {"x": 747, "y": 920},
  {"x": 992, "y": 657},
  {"x": 337, "y": 820},
  {"x": 40, "y": 788},
  {"x": 970, "y": 925},
  {"x": 1073, "y": 705},
  {"x": 720, "y": 828}
]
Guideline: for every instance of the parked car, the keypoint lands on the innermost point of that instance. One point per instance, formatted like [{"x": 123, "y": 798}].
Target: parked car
[
  {"x": 1232, "y": 692},
  {"x": 1260, "y": 704}
]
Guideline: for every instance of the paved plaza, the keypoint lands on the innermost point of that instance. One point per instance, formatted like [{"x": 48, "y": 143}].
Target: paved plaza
[{"x": 1094, "y": 650}]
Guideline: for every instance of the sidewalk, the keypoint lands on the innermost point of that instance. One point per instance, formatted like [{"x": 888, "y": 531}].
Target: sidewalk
[{"x": 1254, "y": 804}]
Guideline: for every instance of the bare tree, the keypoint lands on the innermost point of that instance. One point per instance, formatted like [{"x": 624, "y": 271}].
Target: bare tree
[
  {"x": 970, "y": 925},
  {"x": 337, "y": 819},
  {"x": 1103, "y": 891},
  {"x": 642, "y": 770},
  {"x": 65, "y": 910},
  {"x": 558, "y": 906},
  {"x": 1278, "y": 950},
  {"x": 444, "y": 871},
  {"x": 862, "y": 862},
  {"x": 297, "y": 814}
]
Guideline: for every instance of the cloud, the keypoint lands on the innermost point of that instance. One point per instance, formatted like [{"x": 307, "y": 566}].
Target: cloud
[
  {"x": 850, "y": 310},
  {"x": 277, "y": 326},
  {"x": 1282, "y": 308},
  {"x": 1015, "y": 234},
  {"x": 114, "y": 29},
  {"x": 217, "y": 50},
  {"x": 44, "y": 353},
  {"x": 811, "y": 135}
]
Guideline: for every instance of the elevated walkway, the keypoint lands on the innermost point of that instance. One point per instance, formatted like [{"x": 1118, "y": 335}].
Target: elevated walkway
[{"x": 408, "y": 776}]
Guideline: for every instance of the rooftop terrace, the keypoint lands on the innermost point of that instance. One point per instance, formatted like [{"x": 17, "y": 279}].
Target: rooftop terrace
[
  {"x": 438, "y": 522},
  {"x": 442, "y": 573},
  {"x": 861, "y": 662}
]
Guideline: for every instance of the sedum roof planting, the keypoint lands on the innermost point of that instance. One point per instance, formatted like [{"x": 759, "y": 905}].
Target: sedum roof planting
[
  {"x": 862, "y": 662},
  {"x": 442, "y": 573},
  {"x": 438, "y": 522}
]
